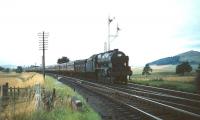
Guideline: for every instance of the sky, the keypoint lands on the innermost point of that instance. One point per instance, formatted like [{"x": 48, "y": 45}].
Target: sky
[{"x": 150, "y": 29}]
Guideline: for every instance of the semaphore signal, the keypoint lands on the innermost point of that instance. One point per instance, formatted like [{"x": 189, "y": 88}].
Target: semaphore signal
[{"x": 110, "y": 20}]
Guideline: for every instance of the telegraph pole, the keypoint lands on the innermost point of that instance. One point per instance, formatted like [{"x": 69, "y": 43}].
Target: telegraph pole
[{"x": 43, "y": 42}]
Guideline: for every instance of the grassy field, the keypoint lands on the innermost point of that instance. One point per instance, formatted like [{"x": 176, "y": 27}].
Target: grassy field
[
  {"x": 165, "y": 77},
  {"x": 62, "y": 108},
  {"x": 20, "y": 79}
]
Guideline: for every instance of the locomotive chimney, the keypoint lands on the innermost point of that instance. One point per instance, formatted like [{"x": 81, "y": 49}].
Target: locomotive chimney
[{"x": 115, "y": 49}]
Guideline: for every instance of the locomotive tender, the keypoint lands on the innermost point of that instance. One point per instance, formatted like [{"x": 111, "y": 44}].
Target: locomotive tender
[{"x": 110, "y": 67}]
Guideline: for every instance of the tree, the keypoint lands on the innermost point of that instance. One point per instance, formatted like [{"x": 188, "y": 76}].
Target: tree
[
  {"x": 6, "y": 70},
  {"x": 197, "y": 79},
  {"x": 59, "y": 61},
  {"x": 19, "y": 69},
  {"x": 198, "y": 69},
  {"x": 1, "y": 68},
  {"x": 63, "y": 60},
  {"x": 183, "y": 67},
  {"x": 197, "y": 82},
  {"x": 147, "y": 69}
]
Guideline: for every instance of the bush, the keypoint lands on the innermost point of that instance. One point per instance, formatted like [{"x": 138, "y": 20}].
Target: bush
[
  {"x": 197, "y": 82},
  {"x": 147, "y": 69},
  {"x": 19, "y": 69},
  {"x": 6, "y": 70},
  {"x": 1, "y": 68},
  {"x": 183, "y": 67}
]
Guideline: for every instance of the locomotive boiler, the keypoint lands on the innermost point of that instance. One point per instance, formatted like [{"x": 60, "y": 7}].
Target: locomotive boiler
[{"x": 113, "y": 66}]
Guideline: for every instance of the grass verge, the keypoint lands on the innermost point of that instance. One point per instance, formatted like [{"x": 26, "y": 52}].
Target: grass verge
[
  {"x": 62, "y": 110},
  {"x": 175, "y": 85}
]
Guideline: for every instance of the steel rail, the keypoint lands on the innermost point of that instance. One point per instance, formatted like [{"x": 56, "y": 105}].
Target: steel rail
[
  {"x": 104, "y": 92},
  {"x": 122, "y": 94},
  {"x": 159, "y": 96},
  {"x": 165, "y": 91}
]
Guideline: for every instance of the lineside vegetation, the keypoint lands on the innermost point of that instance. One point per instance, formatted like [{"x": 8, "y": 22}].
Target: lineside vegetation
[
  {"x": 62, "y": 108},
  {"x": 166, "y": 77}
]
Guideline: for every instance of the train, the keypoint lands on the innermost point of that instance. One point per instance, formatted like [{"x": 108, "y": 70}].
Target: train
[{"x": 109, "y": 67}]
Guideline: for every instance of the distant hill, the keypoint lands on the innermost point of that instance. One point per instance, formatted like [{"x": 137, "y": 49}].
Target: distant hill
[
  {"x": 8, "y": 66},
  {"x": 193, "y": 57}
]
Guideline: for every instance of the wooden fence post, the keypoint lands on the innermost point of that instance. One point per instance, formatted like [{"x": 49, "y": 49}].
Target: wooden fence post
[
  {"x": 14, "y": 101},
  {"x": 54, "y": 93},
  {"x": 0, "y": 91},
  {"x": 14, "y": 92},
  {"x": 11, "y": 92},
  {"x": 5, "y": 90},
  {"x": 18, "y": 91}
]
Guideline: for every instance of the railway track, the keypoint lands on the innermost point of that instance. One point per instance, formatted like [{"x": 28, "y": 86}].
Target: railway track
[
  {"x": 149, "y": 107},
  {"x": 175, "y": 101},
  {"x": 121, "y": 110},
  {"x": 181, "y": 94}
]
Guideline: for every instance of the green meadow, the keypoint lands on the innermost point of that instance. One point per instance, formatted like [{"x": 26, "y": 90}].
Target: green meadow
[
  {"x": 165, "y": 77},
  {"x": 62, "y": 109}
]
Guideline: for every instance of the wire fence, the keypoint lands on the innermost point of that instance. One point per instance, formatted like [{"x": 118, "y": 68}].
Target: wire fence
[{"x": 13, "y": 100}]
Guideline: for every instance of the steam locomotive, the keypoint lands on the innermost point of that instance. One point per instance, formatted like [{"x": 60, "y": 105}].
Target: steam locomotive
[{"x": 110, "y": 67}]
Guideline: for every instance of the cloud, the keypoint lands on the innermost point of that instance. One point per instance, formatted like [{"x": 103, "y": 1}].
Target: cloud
[
  {"x": 194, "y": 46},
  {"x": 78, "y": 29}
]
